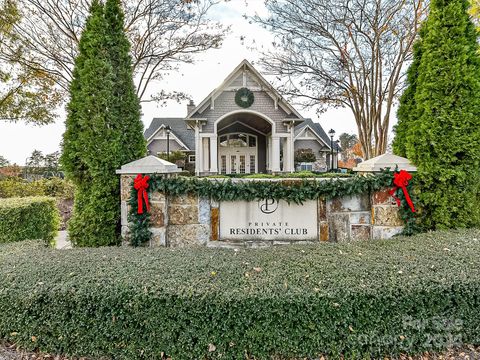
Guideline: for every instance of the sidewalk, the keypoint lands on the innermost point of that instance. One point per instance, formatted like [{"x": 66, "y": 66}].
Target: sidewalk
[{"x": 61, "y": 241}]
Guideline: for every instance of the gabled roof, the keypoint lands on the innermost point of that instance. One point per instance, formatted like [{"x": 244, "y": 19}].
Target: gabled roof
[
  {"x": 245, "y": 64},
  {"x": 179, "y": 129},
  {"x": 318, "y": 130}
]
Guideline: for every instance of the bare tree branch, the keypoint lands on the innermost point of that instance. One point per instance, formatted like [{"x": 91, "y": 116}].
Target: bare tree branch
[
  {"x": 344, "y": 53},
  {"x": 163, "y": 34}
]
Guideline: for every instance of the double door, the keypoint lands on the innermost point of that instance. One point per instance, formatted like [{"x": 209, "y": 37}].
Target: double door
[{"x": 238, "y": 161}]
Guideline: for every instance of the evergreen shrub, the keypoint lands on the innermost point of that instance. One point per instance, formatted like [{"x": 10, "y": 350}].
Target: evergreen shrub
[
  {"x": 103, "y": 126},
  {"x": 28, "y": 218},
  {"x": 439, "y": 117},
  {"x": 54, "y": 187},
  {"x": 362, "y": 300}
]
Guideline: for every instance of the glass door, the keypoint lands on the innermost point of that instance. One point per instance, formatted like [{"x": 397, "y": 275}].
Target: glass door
[{"x": 233, "y": 164}]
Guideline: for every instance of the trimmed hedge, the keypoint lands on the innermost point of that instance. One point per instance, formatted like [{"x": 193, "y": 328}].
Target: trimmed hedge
[
  {"x": 55, "y": 187},
  {"x": 363, "y": 299},
  {"x": 28, "y": 218}
]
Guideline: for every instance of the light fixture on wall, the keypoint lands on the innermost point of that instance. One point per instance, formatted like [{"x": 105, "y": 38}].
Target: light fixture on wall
[
  {"x": 168, "y": 129},
  {"x": 332, "y": 134}
]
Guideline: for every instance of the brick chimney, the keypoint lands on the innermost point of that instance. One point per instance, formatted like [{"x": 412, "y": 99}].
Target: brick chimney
[{"x": 191, "y": 105}]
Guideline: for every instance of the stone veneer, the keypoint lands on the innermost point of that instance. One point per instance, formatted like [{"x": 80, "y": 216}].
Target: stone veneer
[{"x": 189, "y": 220}]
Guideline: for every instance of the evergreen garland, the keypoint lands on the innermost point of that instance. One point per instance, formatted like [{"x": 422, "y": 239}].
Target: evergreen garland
[
  {"x": 412, "y": 221},
  {"x": 139, "y": 224},
  {"x": 291, "y": 190}
]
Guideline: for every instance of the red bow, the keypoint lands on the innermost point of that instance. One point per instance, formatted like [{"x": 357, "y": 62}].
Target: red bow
[
  {"x": 400, "y": 180},
  {"x": 141, "y": 184}
]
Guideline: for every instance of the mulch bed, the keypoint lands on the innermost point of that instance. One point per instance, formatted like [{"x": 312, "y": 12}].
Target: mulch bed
[{"x": 10, "y": 352}]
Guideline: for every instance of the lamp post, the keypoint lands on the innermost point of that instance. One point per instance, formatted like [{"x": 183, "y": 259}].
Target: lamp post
[
  {"x": 168, "y": 129},
  {"x": 337, "y": 145},
  {"x": 332, "y": 134}
]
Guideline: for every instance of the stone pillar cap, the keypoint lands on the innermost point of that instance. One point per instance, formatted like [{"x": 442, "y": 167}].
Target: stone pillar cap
[
  {"x": 149, "y": 165},
  {"x": 384, "y": 161}
]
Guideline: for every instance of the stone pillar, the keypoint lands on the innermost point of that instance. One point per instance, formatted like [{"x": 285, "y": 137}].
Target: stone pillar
[
  {"x": 348, "y": 218},
  {"x": 213, "y": 154},
  {"x": 386, "y": 220},
  {"x": 275, "y": 160},
  {"x": 158, "y": 202},
  {"x": 126, "y": 183}
]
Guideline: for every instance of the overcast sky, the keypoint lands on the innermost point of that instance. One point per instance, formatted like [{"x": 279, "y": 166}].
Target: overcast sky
[{"x": 17, "y": 141}]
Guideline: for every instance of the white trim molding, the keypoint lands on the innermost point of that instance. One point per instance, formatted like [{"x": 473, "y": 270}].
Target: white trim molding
[{"x": 244, "y": 111}]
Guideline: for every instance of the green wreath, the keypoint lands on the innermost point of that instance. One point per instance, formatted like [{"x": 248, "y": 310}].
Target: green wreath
[{"x": 244, "y": 98}]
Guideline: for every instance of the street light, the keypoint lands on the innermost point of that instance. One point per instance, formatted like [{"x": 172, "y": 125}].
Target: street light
[
  {"x": 337, "y": 145},
  {"x": 168, "y": 129},
  {"x": 332, "y": 134}
]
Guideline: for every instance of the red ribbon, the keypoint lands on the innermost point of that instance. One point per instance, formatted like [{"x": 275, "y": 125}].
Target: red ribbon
[
  {"x": 400, "y": 180},
  {"x": 141, "y": 184}
]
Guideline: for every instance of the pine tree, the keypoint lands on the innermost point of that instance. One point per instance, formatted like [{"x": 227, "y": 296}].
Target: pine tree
[
  {"x": 444, "y": 135},
  {"x": 104, "y": 130}
]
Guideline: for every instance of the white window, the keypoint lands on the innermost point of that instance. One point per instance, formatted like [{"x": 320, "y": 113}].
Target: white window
[
  {"x": 237, "y": 140},
  {"x": 306, "y": 166},
  {"x": 191, "y": 158}
]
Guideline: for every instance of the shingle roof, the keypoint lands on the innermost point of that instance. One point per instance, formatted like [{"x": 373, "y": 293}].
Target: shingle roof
[
  {"x": 178, "y": 126},
  {"x": 187, "y": 136},
  {"x": 317, "y": 128}
]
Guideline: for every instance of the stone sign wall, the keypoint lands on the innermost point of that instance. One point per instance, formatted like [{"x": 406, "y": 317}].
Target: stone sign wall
[
  {"x": 268, "y": 220},
  {"x": 189, "y": 220}
]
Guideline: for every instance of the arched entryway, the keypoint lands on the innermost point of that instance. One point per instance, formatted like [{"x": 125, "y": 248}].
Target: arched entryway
[{"x": 243, "y": 143}]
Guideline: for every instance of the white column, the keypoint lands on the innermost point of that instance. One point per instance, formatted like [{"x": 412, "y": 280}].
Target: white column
[
  {"x": 269, "y": 152},
  {"x": 275, "y": 160},
  {"x": 205, "y": 154},
  {"x": 213, "y": 154},
  {"x": 286, "y": 157},
  {"x": 292, "y": 147},
  {"x": 198, "y": 147}
]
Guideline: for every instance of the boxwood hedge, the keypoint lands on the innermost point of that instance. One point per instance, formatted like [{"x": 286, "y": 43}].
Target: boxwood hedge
[
  {"x": 54, "y": 187},
  {"x": 361, "y": 300},
  {"x": 28, "y": 218}
]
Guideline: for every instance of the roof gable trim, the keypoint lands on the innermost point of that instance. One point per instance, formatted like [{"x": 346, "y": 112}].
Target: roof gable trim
[
  {"x": 172, "y": 137},
  {"x": 319, "y": 139},
  {"x": 269, "y": 89}
]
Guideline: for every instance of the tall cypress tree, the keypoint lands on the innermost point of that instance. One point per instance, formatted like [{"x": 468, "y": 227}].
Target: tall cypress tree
[
  {"x": 126, "y": 107},
  {"x": 444, "y": 136},
  {"x": 103, "y": 128},
  {"x": 407, "y": 107}
]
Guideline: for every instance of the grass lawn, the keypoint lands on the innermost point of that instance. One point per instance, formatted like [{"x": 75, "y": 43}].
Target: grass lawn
[{"x": 405, "y": 295}]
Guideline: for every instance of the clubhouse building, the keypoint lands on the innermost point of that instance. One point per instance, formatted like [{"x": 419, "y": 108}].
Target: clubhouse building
[{"x": 244, "y": 126}]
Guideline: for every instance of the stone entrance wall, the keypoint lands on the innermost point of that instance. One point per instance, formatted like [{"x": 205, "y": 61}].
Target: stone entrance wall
[{"x": 188, "y": 220}]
